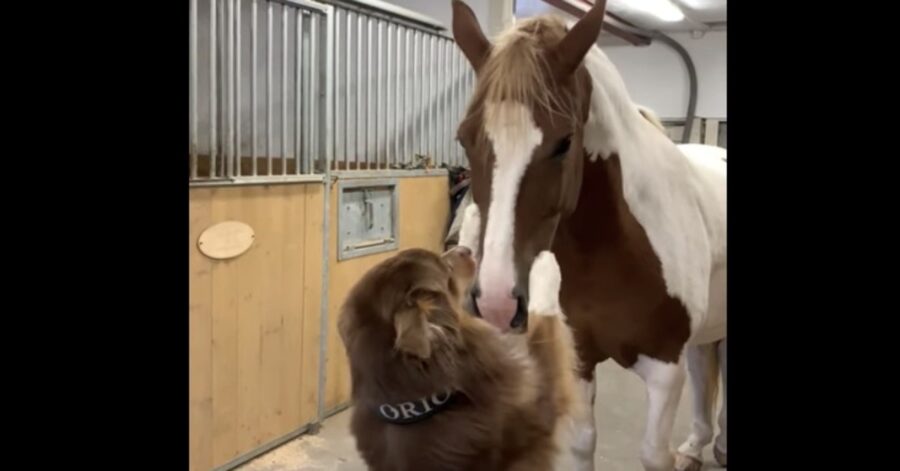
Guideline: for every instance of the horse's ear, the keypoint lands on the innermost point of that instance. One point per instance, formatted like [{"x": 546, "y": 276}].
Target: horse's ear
[
  {"x": 468, "y": 35},
  {"x": 578, "y": 41}
]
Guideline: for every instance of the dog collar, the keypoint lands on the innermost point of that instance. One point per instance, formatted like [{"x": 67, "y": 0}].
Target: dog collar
[{"x": 410, "y": 412}]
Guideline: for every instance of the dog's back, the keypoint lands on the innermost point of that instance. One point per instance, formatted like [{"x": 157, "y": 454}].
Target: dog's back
[{"x": 513, "y": 399}]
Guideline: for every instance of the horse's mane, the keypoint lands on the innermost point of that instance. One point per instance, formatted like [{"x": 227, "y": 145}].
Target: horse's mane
[{"x": 517, "y": 69}]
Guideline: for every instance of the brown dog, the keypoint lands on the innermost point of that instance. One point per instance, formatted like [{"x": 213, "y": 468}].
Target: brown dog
[{"x": 437, "y": 389}]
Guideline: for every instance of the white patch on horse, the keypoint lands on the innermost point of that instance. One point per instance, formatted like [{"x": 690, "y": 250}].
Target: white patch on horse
[
  {"x": 514, "y": 136},
  {"x": 664, "y": 384},
  {"x": 679, "y": 202},
  {"x": 470, "y": 229},
  {"x": 544, "y": 282}
]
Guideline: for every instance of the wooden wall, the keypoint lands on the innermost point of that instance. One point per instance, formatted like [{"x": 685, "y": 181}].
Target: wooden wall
[{"x": 255, "y": 320}]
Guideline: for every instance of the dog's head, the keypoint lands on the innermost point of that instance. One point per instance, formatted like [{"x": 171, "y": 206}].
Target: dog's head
[{"x": 410, "y": 304}]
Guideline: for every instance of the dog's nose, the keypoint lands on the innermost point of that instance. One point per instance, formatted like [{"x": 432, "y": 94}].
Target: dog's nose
[{"x": 464, "y": 251}]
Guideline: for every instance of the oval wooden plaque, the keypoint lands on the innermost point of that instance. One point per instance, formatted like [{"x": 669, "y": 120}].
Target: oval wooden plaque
[{"x": 225, "y": 240}]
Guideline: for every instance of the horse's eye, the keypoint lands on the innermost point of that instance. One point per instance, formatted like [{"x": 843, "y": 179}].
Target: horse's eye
[{"x": 562, "y": 148}]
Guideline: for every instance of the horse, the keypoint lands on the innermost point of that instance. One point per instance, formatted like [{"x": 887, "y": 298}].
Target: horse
[{"x": 561, "y": 159}]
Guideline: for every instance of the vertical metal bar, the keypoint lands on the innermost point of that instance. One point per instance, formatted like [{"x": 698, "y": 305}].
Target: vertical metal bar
[
  {"x": 326, "y": 211},
  {"x": 349, "y": 102},
  {"x": 426, "y": 82},
  {"x": 458, "y": 103},
  {"x": 432, "y": 98},
  {"x": 416, "y": 82},
  {"x": 329, "y": 85},
  {"x": 314, "y": 95},
  {"x": 339, "y": 129},
  {"x": 269, "y": 88},
  {"x": 379, "y": 99},
  {"x": 360, "y": 132},
  {"x": 298, "y": 91},
  {"x": 229, "y": 76},
  {"x": 194, "y": 127},
  {"x": 448, "y": 100},
  {"x": 370, "y": 108},
  {"x": 409, "y": 83},
  {"x": 253, "y": 79},
  {"x": 237, "y": 85},
  {"x": 213, "y": 78},
  {"x": 284, "y": 89},
  {"x": 439, "y": 79},
  {"x": 308, "y": 117},
  {"x": 397, "y": 103}
]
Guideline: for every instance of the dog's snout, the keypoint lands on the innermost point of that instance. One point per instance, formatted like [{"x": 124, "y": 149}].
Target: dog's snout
[{"x": 463, "y": 250}]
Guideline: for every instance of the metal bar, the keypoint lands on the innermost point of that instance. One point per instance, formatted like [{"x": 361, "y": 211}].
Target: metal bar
[
  {"x": 308, "y": 117},
  {"x": 457, "y": 103},
  {"x": 397, "y": 102},
  {"x": 298, "y": 90},
  {"x": 347, "y": 61},
  {"x": 253, "y": 79},
  {"x": 261, "y": 180},
  {"x": 360, "y": 132},
  {"x": 326, "y": 211},
  {"x": 340, "y": 136},
  {"x": 330, "y": 70},
  {"x": 314, "y": 96},
  {"x": 379, "y": 100},
  {"x": 229, "y": 54},
  {"x": 213, "y": 77},
  {"x": 370, "y": 109},
  {"x": 417, "y": 90},
  {"x": 407, "y": 95},
  {"x": 284, "y": 89},
  {"x": 269, "y": 88},
  {"x": 432, "y": 101},
  {"x": 237, "y": 85},
  {"x": 439, "y": 155},
  {"x": 194, "y": 138}
]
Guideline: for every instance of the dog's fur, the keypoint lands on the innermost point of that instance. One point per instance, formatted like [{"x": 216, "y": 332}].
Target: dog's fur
[{"x": 407, "y": 337}]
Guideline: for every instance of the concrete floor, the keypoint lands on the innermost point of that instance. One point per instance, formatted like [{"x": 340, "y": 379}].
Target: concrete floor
[{"x": 620, "y": 413}]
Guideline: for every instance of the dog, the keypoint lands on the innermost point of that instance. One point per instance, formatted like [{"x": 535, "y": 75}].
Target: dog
[{"x": 435, "y": 388}]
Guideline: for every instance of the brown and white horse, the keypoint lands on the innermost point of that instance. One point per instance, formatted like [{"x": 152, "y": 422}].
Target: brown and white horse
[{"x": 562, "y": 159}]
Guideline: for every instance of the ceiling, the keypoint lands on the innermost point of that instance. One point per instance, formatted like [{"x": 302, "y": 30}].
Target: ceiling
[{"x": 700, "y": 15}]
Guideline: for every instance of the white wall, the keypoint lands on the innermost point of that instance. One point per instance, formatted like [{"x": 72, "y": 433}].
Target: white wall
[
  {"x": 657, "y": 77},
  {"x": 489, "y": 12}
]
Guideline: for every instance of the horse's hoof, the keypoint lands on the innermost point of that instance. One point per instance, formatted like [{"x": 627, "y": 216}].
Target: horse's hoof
[
  {"x": 687, "y": 463},
  {"x": 721, "y": 457}
]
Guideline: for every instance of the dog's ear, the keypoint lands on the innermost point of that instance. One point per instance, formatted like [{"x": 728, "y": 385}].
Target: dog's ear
[
  {"x": 411, "y": 326},
  {"x": 413, "y": 334}
]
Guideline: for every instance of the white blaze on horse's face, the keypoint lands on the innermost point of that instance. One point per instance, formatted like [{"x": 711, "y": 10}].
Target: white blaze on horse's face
[{"x": 514, "y": 136}]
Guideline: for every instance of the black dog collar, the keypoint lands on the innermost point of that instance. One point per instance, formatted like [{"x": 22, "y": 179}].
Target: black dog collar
[{"x": 410, "y": 412}]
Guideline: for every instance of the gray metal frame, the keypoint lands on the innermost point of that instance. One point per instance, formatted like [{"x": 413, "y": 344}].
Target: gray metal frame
[
  {"x": 346, "y": 253},
  {"x": 378, "y": 116}
]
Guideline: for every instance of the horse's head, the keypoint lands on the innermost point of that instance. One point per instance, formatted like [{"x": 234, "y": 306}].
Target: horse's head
[{"x": 523, "y": 135}]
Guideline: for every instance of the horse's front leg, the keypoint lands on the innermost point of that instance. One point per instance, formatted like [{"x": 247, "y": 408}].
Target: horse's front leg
[
  {"x": 664, "y": 384},
  {"x": 585, "y": 433}
]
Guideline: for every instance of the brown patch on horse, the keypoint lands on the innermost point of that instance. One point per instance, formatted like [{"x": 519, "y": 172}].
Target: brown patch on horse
[
  {"x": 614, "y": 294},
  {"x": 407, "y": 337}
]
